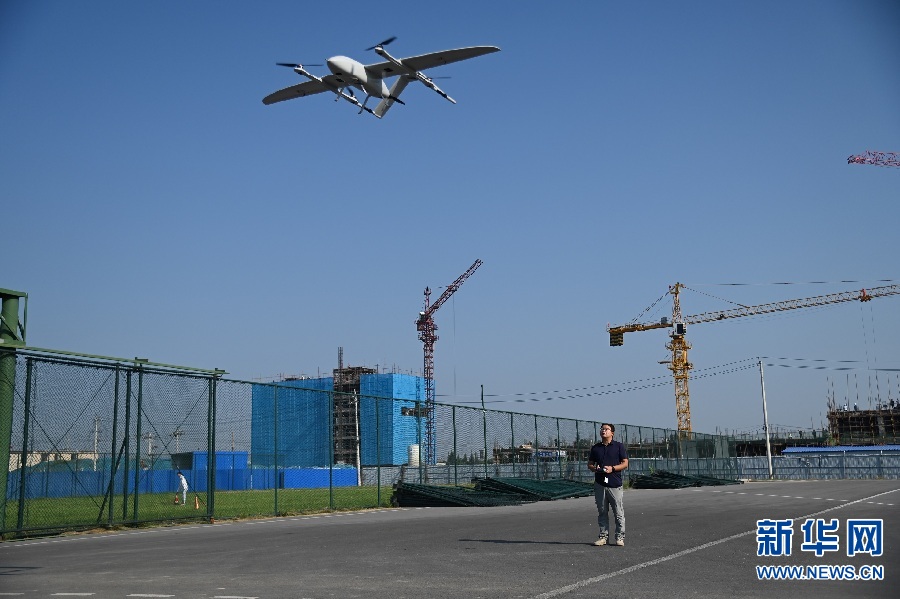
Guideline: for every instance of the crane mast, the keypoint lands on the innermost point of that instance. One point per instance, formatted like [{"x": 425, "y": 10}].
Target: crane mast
[
  {"x": 876, "y": 158},
  {"x": 679, "y": 365},
  {"x": 428, "y": 335},
  {"x": 679, "y": 346}
]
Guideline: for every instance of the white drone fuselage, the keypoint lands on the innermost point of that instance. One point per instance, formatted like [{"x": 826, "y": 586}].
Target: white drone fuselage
[{"x": 353, "y": 73}]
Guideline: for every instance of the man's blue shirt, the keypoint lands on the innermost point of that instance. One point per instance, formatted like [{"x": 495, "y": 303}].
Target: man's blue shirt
[{"x": 608, "y": 455}]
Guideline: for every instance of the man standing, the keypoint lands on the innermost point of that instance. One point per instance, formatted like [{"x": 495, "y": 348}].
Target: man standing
[
  {"x": 183, "y": 487},
  {"x": 607, "y": 461}
]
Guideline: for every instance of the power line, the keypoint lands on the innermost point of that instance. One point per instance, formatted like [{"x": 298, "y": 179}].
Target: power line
[{"x": 598, "y": 390}]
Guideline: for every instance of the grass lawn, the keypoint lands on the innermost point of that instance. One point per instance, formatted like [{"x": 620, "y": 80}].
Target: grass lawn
[{"x": 86, "y": 512}]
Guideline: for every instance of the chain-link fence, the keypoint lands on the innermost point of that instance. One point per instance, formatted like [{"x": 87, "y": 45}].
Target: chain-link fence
[{"x": 99, "y": 443}]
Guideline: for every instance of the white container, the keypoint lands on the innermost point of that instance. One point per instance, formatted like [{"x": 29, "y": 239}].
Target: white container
[{"x": 413, "y": 455}]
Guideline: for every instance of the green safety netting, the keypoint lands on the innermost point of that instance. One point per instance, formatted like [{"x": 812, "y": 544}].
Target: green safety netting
[
  {"x": 488, "y": 492},
  {"x": 662, "y": 479},
  {"x": 416, "y": 495},
  {"x": 541, "y": 490}
]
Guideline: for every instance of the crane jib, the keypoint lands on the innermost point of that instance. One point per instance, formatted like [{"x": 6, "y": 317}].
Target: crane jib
[
  {"x": 862, "y": 295},
  {"x": 452, "y": 287}
]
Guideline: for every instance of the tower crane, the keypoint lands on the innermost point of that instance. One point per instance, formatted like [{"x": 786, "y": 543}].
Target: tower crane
[
  {"x": 428, "y": 335},
  {"x": 679, "y": 346},
  {"x": 876, "y": 158}
]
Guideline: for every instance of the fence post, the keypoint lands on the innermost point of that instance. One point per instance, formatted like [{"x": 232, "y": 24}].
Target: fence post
[
  {"x": 484, "y": 421},
  {"x": 378, "y": 450},
  {"x": 23, "y": 457},
  {"x": 331, "y": 450},
  {"x": 137, "y": 446},
  {"x": 558, "y": 457},
  {"x": 127, "y": 451},
  {"x": 455, "y": 454},
  {"x": 211, "y": 461},
  {"x": 275, "y": 445},
  {"x": 512, "y": 443},
  {"x": 113, "y": 464},
  {"x": 418, "y": 408},
  {"x": 534, "y": 453}
]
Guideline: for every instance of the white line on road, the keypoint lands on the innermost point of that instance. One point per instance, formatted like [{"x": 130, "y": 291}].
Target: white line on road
[{"x": 595, "y": 579}]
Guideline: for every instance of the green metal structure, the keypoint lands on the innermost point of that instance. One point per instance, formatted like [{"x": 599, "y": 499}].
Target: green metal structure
[{"x": 12, "y": 335}]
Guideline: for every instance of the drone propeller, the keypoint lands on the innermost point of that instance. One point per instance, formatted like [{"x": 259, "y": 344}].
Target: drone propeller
[
  {"x": 293, "y": 65},
  {"x": 384, "y": 43}
]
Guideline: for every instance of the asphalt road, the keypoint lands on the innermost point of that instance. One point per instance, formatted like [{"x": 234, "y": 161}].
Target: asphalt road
[{"x": 680, "y": 543}]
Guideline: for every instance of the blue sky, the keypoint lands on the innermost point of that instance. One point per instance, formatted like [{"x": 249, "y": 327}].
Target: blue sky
[{"x": 154, "y": 207}]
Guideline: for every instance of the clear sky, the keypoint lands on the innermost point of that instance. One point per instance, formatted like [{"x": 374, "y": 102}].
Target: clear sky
[{"x": 154, "y": 207}]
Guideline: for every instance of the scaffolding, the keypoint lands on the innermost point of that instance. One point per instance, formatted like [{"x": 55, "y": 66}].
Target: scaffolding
[
  {"x": 346, "y": 411},
  {"x": 852, "y": 426}
]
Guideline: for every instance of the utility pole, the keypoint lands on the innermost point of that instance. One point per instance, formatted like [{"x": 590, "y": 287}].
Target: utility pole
[
  {"x": 762, "y": 383},
  {"x": 177, "y": 433},
  {"x": 96, "y": 439},
  {"x": 149, "y": 438}
]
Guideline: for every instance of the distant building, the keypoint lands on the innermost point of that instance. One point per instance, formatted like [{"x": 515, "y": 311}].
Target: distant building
[
  {"x": 852, "y": 426},
  {"x": 33, "y": 458}
]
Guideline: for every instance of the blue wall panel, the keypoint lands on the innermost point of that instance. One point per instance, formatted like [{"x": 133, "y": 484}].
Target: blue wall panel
[
  {"x": 316, "y": 478},
  {"x": 304, "y": 428},
  {"x": 395, "y": 431}
]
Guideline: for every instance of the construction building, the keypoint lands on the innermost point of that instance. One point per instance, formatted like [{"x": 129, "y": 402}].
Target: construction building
[
  {"x": 852, "y": 426},
  {"x": 374, "y": 419}
]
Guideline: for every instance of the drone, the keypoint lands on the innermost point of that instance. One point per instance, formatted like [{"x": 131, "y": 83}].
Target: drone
[{"x": 347, "y": 74}]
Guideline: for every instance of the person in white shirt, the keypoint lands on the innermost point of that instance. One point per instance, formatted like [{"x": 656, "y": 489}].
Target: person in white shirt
[{"x": 183, "y": 486}]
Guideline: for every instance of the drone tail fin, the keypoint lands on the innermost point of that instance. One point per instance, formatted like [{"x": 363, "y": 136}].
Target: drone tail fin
[{"x": 396, "y": 90}]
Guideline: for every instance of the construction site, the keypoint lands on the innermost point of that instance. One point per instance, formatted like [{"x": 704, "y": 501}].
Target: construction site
[
  {"x": 349, "y": 383},
  {"x": 854, "y": 426}
]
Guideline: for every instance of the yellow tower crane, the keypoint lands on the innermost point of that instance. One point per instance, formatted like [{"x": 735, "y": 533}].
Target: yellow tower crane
[{"x": 679, "y": 346}]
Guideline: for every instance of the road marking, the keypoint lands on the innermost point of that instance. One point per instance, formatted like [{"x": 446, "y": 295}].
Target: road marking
[
  {"x": 147, "y": 595},
  {"x": 589, "y": 581},
  {"x": 780, "y": 496}
]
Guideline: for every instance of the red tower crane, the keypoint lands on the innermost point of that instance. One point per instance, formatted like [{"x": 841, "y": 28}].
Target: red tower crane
[
  {"x": 876, "y": 158},
  {"x": 428, "y": 335}
]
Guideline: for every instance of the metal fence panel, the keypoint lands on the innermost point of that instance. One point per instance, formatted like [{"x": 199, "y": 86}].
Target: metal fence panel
[{"x": 97, "y": 442}]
